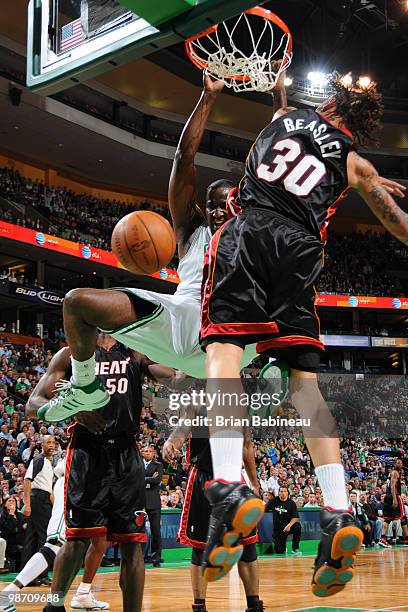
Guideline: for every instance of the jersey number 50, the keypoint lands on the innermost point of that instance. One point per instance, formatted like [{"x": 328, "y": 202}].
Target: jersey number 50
[
  {"x": 116, "y": 386},
  {"x": 301, "y": 178}
]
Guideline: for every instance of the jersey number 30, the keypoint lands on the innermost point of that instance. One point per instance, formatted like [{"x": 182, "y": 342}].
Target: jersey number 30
[{"x": 301, "y": 178}]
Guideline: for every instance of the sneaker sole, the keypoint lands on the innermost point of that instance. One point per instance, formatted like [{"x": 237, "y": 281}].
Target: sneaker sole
[
  {"x": 62, "y": 414},
  {"x": 82, "y": 608},
  {"x": 223, "y": 557},
  {"x": 329, "y": 580}
]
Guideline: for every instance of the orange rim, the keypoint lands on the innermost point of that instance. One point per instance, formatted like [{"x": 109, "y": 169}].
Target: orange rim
[{"x": 256, "y": 10}]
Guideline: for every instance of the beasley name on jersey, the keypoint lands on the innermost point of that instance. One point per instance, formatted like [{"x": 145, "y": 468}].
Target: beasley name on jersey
[{"x": 298, "y": 168}]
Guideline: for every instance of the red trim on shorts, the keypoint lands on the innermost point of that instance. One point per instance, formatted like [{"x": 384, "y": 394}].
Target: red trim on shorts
[
  {"x": 285, "y": 341},
  {"x": 250, "y": 540},
  {"x": 74, "y": 533},
  {"x": 182, "y": 530},
  {"x": 401, "y": 514},
  {"x": 208, "y": 328},
  {"x": 121, "y": 538}
]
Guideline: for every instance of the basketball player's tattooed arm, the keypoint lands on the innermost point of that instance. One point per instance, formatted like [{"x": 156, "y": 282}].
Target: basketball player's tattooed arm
[
  {"x": 182, "y": 193},
  {"x": 376, "y": 192},
  {"x": 57, "y": 370}
]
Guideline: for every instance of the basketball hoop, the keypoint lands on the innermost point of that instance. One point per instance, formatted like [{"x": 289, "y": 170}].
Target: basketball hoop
[{"x": 243, "y": 51}]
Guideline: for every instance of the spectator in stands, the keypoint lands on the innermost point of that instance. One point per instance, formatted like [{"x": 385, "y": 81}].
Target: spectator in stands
[
  {"x": 362, "y": 520},
  {"x": 285, "y": 521},
  {"x": 12, "y": 529},
  {"x": 371, "y": 511},
  {"x": 174, "y": 501},
  {"x": 273, "y": 484}
]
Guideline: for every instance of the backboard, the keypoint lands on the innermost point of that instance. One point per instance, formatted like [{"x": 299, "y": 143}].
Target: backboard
[{"x": 73, "y": 40}]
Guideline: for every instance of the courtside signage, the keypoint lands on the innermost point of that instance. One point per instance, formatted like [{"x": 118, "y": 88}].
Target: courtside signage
[
  {"x": 74, "y": 249},
  {"x": 87, "y": 253}
]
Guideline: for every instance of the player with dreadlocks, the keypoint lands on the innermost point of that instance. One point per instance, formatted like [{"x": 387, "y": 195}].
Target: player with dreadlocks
[{"x": 259, "y": 276}]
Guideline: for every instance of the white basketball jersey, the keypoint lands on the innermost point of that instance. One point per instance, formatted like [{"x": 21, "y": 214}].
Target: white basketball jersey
[{"x": 190, "y": 269}]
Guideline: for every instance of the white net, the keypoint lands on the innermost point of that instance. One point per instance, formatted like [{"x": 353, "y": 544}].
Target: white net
[{"x": 244, "y": 52}]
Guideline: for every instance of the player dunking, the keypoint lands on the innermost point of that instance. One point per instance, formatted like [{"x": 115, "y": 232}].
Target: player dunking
[
  {"x": 163, "y": 327},
  {"x": 195, "y": 516},
  {"x": 393, "y": 507},
  {"x": 260, "y": 272},
  {"x": 104, "y": 481}
]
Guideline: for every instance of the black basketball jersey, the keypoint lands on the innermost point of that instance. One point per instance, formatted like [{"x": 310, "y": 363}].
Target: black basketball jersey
[
  {"x": 298, "y": 168},
  {"x": 119, "y": 372}
]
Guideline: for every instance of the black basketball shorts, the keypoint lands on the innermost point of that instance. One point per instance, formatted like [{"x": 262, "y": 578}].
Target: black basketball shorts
[
  {"x": 393, "y": 514},
  {"x": 104, "y": 489},
  {"x": 195, "y": 515},
  {"x": 258, "y": 285}
]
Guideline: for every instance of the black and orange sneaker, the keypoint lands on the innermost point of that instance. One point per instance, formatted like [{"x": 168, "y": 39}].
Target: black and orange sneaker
[
  {"x": 341, "y": 540},
  {"x": 199, "y": 608},
  {"x": 236, "y": 511}
]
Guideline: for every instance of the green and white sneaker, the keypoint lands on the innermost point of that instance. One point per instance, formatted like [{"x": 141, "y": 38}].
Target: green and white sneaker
[
  {"x": 273, "y": 380},
  {"x": 71, "y": 399}
]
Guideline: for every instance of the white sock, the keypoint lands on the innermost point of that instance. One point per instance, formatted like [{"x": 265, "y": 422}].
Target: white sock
[
  {"x": 227, "y": 447},
  {"x": 333, "y": 485},
  {"x": 84, "y": 588},
  {"x": 83, "y": 372},
  {"x": 11, "y": 587},
  {"x": 32, "y": 569}
]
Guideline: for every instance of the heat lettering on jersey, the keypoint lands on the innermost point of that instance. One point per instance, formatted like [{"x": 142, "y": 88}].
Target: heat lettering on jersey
[
  {"x": 111, "y": 367},
  {"x": 327, "y": 149}
]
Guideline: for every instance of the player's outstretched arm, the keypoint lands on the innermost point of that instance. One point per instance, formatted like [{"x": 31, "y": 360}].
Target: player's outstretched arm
[
  {"x": 45, "y": 389},
  {"x": 183, "y": 184},
  {"x": 365, "y": 179},
  {"x": 179, "y": 435}
]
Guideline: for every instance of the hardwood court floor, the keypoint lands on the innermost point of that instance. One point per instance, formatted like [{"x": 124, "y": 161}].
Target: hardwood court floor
[{"x": 380, "y": 585}]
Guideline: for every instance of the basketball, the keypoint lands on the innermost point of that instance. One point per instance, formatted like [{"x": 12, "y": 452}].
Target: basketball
[{"x": 143, "y": 241}]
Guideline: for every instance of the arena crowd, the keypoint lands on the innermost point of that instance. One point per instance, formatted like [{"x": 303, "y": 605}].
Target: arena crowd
[
  {"x": 358, "y": 263},
  {"x": 280, "y": 460}
]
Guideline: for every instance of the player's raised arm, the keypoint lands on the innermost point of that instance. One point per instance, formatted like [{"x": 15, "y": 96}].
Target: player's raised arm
[
  {"x": 183, "y": 185},
  {"x": 365, "y": 179},
  {"x": 280, "y": 100},
  {"x": 45, "y": 388}
]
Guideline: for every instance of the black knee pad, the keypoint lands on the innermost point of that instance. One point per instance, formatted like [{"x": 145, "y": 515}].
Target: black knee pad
[
  {"x": 48, "y": 554},
  {"x": 249, "y": 555},
  {"x": 197, "y": 556}
]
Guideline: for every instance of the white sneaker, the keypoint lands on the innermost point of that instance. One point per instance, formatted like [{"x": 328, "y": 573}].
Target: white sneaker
[
  {"x": 297, "y": 553},
  {"x": 87, "y": 601},
  {"x": 71, "y": 399}
]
